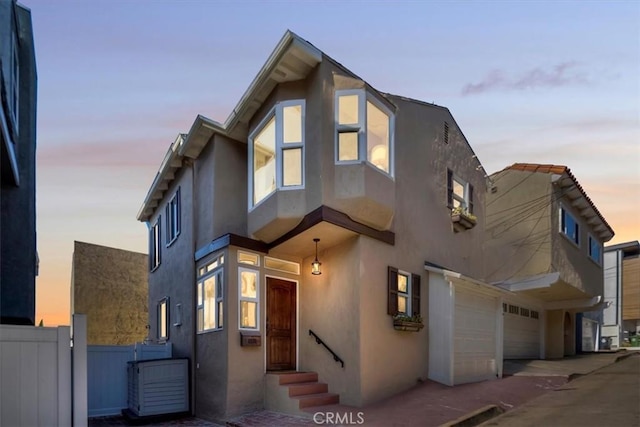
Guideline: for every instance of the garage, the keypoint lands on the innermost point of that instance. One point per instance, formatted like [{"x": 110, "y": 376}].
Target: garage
[
  {"x": 465, "y": 329},
  {"x": 521, "y": 331}
]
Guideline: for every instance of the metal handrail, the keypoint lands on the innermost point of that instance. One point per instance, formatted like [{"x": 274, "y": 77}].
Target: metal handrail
[{"x": 319, "y": 341}]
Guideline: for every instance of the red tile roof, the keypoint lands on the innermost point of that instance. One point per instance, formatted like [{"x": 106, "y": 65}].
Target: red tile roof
[{"x": 559, "y": 170}]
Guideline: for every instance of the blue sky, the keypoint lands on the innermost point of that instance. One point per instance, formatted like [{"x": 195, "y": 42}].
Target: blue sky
[{"x": 530, "y": 81}]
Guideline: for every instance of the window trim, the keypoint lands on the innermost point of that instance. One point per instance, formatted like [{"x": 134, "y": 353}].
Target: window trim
[
  {"x": 173, "y": 217},
  {"x": 155, "y": 248},
  {"x": 277, "y": 113},
  {"x": 361, "y": 129},
  {"x": 163, "y": 302},
  {"x": 249, "y": 299},
  {"x": 218, "y": 270},
  {"x": 590, "y": 239},
  {"x": 561, "y": 221}
]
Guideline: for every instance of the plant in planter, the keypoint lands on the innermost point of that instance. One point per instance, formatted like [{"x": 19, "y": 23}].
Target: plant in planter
[
  {"x": 404, "y": 322},
  {"x": 462, "y": 219}
]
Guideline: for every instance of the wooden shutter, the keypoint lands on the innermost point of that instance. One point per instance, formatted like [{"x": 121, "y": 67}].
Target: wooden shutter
[
  {"x": 449, "y": 188},
  {"x": 415, "y": 294},
  {"x": 470, "y": 198},
  {"x": 392, "y": 283}
]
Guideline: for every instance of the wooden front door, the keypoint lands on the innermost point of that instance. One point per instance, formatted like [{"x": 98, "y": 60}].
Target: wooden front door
[{"x": 281, "y": 325}]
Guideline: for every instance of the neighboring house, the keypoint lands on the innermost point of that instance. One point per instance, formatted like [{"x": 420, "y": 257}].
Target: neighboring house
[
  {"x": 621, "y": 318},
  {"x": 312, "y": 151},
  {"x": 544, "y": 244},
  {"x": 110, "y": 286},
  {"x": 18, "y": 91}
]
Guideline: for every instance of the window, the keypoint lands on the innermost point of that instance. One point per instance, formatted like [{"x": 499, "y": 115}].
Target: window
[
  {"x": 459, "y": 193},
  {"x": 514, "y": 309},
  {"x": 534, "y": 314},
  {"x": 595, "y": 250},
  {"x": 404, "y": 292},
  {"x": 163, "y": 319},
  {"x": 277, "y": 151},
  {"x": 282, "y": 265},
  {"x": 569, "y": 226},
  {"x": 172, "y": 212},
  {"x": 248, "y": 258},
  {"x": 249, "y": 298},
  {"x": 154, "y": 245},
  {"x": 15, "y": 84},
  {"x": 210, "y": 296},
  {"x": 364, "y": 129},
  {"x": 524, "y": 312}
]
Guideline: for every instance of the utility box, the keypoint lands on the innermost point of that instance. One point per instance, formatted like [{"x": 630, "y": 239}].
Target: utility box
[{"x": 158, "y": 387}]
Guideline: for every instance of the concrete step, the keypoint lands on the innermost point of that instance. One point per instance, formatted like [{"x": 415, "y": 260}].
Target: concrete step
[
  {"x": 299, "y": 389},
  {"x": 298, "y": 377},
  {"x": 319, "y": 399}
]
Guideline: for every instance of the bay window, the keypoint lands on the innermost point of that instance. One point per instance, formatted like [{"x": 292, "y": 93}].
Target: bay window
[{"x": 276, "y": 150}]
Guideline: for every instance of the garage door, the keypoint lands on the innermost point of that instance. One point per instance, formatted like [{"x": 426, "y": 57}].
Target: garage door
[
  {"x": 474, "y": 337},
  {"x": 521, "y": 332}
]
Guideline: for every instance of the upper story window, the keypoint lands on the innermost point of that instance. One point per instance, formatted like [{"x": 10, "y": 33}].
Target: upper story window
[
  {"x": 163, "y": 319},
  {"x": 172, "y": 213},
  {"x": 459, "y": 193},
  {"x": 569, "y": 226},
  {"x": 404, "y": 293},
  {"x": 595, "y": 250},
  {"x": 210, "y": 295},
  {"x": 276, "y": 151},
  {"x": 154, "y": 245},
  {"x": 364, "y": 130}
]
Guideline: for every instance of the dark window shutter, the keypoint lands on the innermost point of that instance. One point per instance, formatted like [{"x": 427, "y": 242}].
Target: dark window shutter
[
  {"x": 449, "y": 188},
  {"x": 392, "y": 283},
  {"x": 415, "y": 294},
  {"x": 151, "y": 248},
  {"x": 167, "y": 213},
  {"x": 179, "y": 212},
  {"x": 159, "y": 239},
  {"x": 470, "y": 198}
]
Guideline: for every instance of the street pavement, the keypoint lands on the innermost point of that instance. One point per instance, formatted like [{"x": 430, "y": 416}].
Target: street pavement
[{"x": 609, "y": 396}]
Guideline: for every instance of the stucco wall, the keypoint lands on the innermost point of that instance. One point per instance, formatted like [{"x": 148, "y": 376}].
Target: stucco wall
[
  {"x": 175, "y": 277},
  {"x": 518, "y": 228},
  {"x": 109, "y": 285},
  {"x": 18, "y": 256}
]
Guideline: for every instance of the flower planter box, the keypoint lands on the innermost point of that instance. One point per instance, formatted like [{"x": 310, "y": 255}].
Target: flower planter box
[
  {"x": 404, "y": 325},
  {"x": 462, "y": 222}
]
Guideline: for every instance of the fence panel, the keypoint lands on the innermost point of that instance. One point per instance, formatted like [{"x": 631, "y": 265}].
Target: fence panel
[
  {"x": 35, "y": 376},
  {"x": 107, "y": 374}
]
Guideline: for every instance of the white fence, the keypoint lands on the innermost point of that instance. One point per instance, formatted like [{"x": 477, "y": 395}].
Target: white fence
[
  {"x": 107, "y": 374},
  {"x": 36, "y": 371}
]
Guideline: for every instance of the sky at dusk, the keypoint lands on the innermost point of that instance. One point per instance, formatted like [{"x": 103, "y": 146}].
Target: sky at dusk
[{"x": 541, "y": 82}]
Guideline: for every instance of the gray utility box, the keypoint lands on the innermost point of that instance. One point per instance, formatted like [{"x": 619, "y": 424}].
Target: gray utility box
[{"x": 158, "y": 386}]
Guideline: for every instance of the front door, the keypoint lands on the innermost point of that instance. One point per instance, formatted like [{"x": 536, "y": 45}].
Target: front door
[{"x": 281, "y": 325}]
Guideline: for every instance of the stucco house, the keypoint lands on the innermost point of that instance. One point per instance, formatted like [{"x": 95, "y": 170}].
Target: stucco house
[
  {"x": 544, "y": 244},
  {"x": 18, "y": 104},
  {"x": 621, "y": 318},
  {"x": 286, "y": 239}
]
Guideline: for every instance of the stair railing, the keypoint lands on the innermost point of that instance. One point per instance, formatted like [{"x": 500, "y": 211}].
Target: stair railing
[{"x": 319, "y": 341}]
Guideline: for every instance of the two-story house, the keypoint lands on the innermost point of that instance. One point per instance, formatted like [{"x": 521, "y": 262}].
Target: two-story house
[
  {"x": 287, "y": 238},
  {"x": 18, "y": 92},
  {"x": 544, "y": 244},
  {"x": 621, "y": 318}
]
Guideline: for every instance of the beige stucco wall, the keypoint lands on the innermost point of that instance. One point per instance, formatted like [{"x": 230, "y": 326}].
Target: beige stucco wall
[
  {"x": 518, "y": 225},
  {"x": 109, "y": 285}
]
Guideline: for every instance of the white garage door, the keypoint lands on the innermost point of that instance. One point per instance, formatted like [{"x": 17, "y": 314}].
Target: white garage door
[
  {"x": 474, "y": 337},
  {"x": 521, "y": 332}
]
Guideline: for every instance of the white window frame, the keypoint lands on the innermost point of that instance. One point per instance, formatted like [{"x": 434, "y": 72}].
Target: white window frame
[
  {"x": 172, "y": 212},
  {"x": 277, "y": 113},
  {"x": 564, "y": 211},
  {"x": 464, "y": 200},
  {"x": 248, "y": 299},
  {"x": 407, "y": 295},
  {"x": 361, "y": 129},
  {"x": 164, "y": 302},
  {"x": 597, "y": 242},
  {"x": 217, "y": 271},
  {"x": 155, "y": 248}
]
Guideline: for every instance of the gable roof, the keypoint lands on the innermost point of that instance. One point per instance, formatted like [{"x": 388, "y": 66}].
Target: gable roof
[{"x": 562, "y": 176}]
